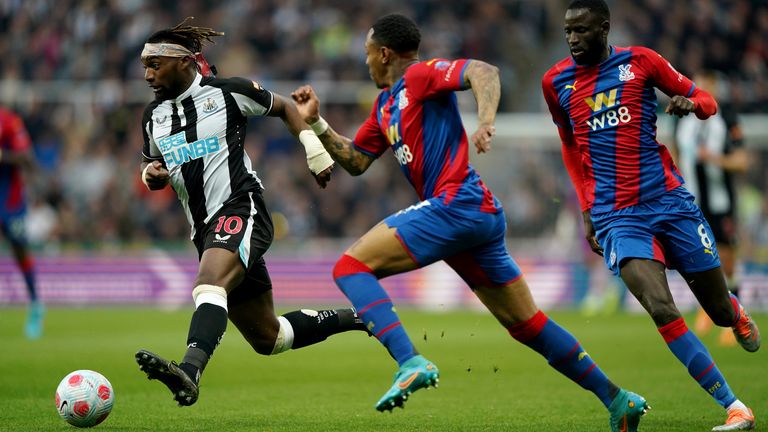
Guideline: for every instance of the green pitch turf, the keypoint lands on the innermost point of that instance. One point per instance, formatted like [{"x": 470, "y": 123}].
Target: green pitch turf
[{"x": 488, "y": 381}]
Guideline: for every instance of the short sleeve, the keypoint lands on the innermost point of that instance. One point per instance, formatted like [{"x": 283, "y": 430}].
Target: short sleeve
[
  {"x": 435, "y": 77},
  {"x": 665, "y": 77},
  {"x": 559, "y": 117},
  {"x": 251, "y": 98},
  {"x": 18, "y": 136},
  {"x": 369, "y": 138}
]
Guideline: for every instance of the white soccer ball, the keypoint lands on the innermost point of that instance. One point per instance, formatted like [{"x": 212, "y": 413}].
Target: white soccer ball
[{"x": 84, "y": 398}]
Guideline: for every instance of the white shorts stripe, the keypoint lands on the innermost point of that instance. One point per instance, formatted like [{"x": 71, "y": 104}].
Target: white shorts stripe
[{"x": 245, "y": 244}]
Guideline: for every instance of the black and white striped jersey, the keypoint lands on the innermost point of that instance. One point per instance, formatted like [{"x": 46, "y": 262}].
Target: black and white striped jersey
[
  {"x": 199, "y": 137},
  {"x": 709, "y": 183}
]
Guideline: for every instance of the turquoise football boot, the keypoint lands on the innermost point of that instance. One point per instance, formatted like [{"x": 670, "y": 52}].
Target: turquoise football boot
[
  {"x": 414, "y": 374},
  {"x": 626, "y": 410},
  {"x": 33, "y": 328}
]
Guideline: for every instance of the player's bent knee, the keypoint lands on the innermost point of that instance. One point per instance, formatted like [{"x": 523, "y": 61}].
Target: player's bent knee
[
  {"x": 210, "y": 294},
  {"x": 347, "y": 265},
  {"x": 663, "y": 313},
  {"x": 260, "y": 339},
  {"x": 262, "y": 346},
  {"x": 284, "y": 340}
]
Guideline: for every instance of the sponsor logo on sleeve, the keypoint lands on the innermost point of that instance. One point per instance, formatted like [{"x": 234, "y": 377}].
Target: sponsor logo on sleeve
[
  {"x": 450, "y": 71},
  {"x": 679, "y": 75},
  {"x": 442, "y": 65}
]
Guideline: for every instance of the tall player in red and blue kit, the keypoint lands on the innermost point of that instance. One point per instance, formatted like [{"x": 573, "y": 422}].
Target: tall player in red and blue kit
[
  {"x": 636, "y": 212},
  {"x": 458, "y": 220},
  {"x": 15, "y": 156}
]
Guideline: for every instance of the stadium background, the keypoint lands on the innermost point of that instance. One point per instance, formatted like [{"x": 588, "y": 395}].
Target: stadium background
[{"x": 72, "y": 70}]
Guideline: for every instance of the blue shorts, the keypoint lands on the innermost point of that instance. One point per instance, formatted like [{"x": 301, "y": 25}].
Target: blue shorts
[
  {"x": 14, "y": 229},
  {"x": 468, "y": 240},
  {"x": 670, "y": 229}
]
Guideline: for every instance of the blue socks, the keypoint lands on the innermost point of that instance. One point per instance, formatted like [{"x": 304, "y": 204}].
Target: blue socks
[
  {"x": 692, "y": 353},
  {"x": 26, "y": 265},
  {"x": 565, "y": 354},
  {"x": 373, "y": 306}
]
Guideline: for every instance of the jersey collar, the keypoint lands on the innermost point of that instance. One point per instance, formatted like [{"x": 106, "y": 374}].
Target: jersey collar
[{"x": 192, "y": 87}]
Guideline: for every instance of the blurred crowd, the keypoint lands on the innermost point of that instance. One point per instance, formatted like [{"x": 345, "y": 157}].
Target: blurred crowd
[{"x": 88, "y": 192}]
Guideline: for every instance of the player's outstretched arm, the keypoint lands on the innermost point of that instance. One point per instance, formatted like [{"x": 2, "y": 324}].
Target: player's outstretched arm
[
  {"x": 318, "y": 159},
  {"x": 484, "y": 80},
  {"x": 283, "y": 108},
  {"x": 339, "y": 146},
  {"x": 685, "y": 97},
  {"x": 700, "y": 103}
]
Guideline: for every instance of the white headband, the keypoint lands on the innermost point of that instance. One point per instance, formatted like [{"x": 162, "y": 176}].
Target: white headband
[{"x": 165, "y": 50}]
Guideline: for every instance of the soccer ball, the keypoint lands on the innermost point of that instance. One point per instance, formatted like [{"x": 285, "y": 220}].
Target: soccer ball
[{"x": 84, "y": 398}]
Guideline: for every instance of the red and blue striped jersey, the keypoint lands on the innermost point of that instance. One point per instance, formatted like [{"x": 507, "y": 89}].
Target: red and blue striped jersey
[
  {"x": 13, "y": 138},
  {"x": 606, "y": 116},
  {"x": 418, "y": 118}
]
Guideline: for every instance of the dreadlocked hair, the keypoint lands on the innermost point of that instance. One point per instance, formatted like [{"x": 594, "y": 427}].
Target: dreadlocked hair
[{"x": 190, "y": 37}]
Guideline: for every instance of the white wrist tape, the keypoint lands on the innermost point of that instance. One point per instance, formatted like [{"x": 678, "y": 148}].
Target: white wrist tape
[
  {"x": 320, "y": 126},
  {"x": 144, "y": 175},
  {"x": 318, "y": 158}
]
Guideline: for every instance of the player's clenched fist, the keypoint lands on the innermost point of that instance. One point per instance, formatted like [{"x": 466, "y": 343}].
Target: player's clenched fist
[
  {"x": 155, "y": 175},
  {"x": 680, "y": 106},
  {"x": 482, "y": 137},
  {"x": 307, "y": 103}
]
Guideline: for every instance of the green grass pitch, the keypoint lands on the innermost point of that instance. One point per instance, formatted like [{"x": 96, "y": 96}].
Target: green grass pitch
[{"x": 488, "y": 381}]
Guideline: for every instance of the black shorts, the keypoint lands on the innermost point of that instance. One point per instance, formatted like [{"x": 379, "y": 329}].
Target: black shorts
[
  {"x": 723, "y": 227},
  {"x": 242, "y": 225}
]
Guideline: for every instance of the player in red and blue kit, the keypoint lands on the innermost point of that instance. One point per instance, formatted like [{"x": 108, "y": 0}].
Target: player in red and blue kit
[
  {"x": 636, "y": 212},
  {"x": 458, "y": 220},
  {"x": 15, "y": 156}
]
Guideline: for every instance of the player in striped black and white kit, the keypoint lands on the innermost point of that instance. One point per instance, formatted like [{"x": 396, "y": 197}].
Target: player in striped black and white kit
[
  {"x": 193, "y": 139},
  {"x": 710, "y": 153}
]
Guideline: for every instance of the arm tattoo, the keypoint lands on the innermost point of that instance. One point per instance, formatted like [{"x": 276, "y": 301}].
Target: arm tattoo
[
  {"x": 342, "y": 151},
  {"x": 486, "y": 87}
]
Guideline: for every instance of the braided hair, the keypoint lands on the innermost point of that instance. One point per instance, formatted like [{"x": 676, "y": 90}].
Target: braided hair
[{"x": 190, "y": 37}]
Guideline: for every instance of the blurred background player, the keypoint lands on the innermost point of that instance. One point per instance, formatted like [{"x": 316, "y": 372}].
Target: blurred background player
[
  {"x": 636, "y": 212},
  {"x": 458, "y": 221},
  {"x": 193, "y": 139},
  {"x": 709, "y": 153},
  {"x": 16, "y": 157}
]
